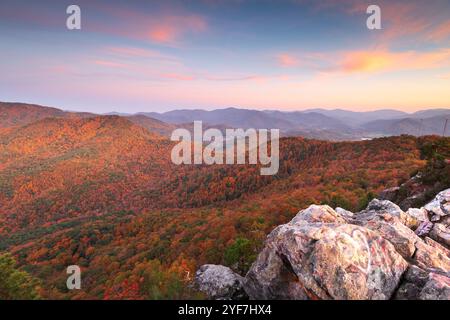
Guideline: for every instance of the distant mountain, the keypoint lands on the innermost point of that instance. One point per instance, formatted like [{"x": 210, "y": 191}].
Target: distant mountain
[
  {"x": 310, "y": 120},
  {"x": 19, "y": 114},
  {"x": 238, "y": 118},
  {"x": 430, "y": 113},
  {"x": 153, "y": 125},
  {"x": 355, "y": 119},
  {"x": 412, "y": 126},
  {"x": 114, "y": 113},
  {"x": 333, "y": 125},
  {"x": 287, "y": 122},
  {"x": 327, "y": 135},
  {"x": 15, "y": 114},
  {"x": 359, "y": 119}
]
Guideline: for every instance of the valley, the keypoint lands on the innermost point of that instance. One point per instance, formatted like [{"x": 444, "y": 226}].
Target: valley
[{"x": 101, "y": 192}]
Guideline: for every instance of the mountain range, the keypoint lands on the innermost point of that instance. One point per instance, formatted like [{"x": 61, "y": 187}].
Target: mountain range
[
  {"x": 319, "y": 123},
  {"x": 101, "y": 192},
  {"x": 334, "y": 125}
]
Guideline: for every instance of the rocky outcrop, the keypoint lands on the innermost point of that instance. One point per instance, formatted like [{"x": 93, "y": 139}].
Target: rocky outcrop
[
  {"x": 441, "y": 233},
  {"x": 381, "y": 252},
  {"x": 437, "y": 212},
  {"x": 417, "y": 190},
  {"x": 220, "y": 283},
  {"x": 439, "y": 207},
  {"x": 409, "y": 194},
  {"x": 329, "y": 262}
]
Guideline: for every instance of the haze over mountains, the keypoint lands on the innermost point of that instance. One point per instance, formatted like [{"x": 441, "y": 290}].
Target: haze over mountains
[
  {"x": 314, "y": 123},
  {"x": 319, "y": 123}
]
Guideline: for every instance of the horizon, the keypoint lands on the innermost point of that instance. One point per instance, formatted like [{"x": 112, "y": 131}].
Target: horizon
[
  {"x": 289, "y": 55},
  {"x": 312, "y": 109}
]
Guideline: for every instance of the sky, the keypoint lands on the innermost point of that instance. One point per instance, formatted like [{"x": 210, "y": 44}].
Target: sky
[{"x": 132, "y": 56}]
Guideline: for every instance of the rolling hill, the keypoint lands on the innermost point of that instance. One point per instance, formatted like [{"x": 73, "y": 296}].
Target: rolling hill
[
  {"x": 19, "y": 114},
  {"x": 102, "y": 193}
]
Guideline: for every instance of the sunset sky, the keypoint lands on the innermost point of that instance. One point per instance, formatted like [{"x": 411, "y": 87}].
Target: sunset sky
[{"x": 134, "y": 56}]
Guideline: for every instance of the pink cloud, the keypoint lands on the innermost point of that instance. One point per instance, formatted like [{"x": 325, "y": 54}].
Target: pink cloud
[
  {"x": 237, "y": 78},
  {"x": 59, "y": 69},
  {"x": 133, "y": 52},
  {"x": 287, "y": 60},
  {"x": 169, "y": 29},
  {"x": 307, "y": 60},
  {"x": 163, "y": 34},
  {"x": 178, "y": 76},
  {"x": 441, "y": 32},
  {"x": 106, "y": 63},
  {"x": 384, "y": 60},
  {"x": 368, "y": 61},
  {"x": 421, "y": 21},
  {"x": 403, "y": 19},
  {"x": 136, "y": 52},
  {"x": 162, "y": 27}
]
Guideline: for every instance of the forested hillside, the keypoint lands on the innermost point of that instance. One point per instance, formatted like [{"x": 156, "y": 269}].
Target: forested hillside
[{"x": 101, "y": 192}]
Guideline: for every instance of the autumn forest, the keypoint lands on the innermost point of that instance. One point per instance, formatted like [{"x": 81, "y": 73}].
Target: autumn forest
[{"x": 101, "y": 192}]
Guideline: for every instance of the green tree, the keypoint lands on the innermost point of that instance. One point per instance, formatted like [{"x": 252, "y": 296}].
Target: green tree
[
  {"x": 339, "y": 201},
  {"x": 240, "y": 255},
  {"x": 16, "y": 284},
  {"x": 364, "y": 200},
  {"x": 437, "y": 168}
]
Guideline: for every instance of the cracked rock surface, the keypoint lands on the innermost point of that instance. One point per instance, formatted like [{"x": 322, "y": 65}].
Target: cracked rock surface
[{"x": 381, "y": 252}]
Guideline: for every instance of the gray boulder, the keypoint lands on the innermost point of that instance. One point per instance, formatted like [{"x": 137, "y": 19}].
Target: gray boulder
[
  {"x": 219, "y": 283},
  {"x": 441, "y": 234},
  {"x": 437, "y": 288},
  {"x": 414, "y": 280},
  {"x": 440, "y": 205}
]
